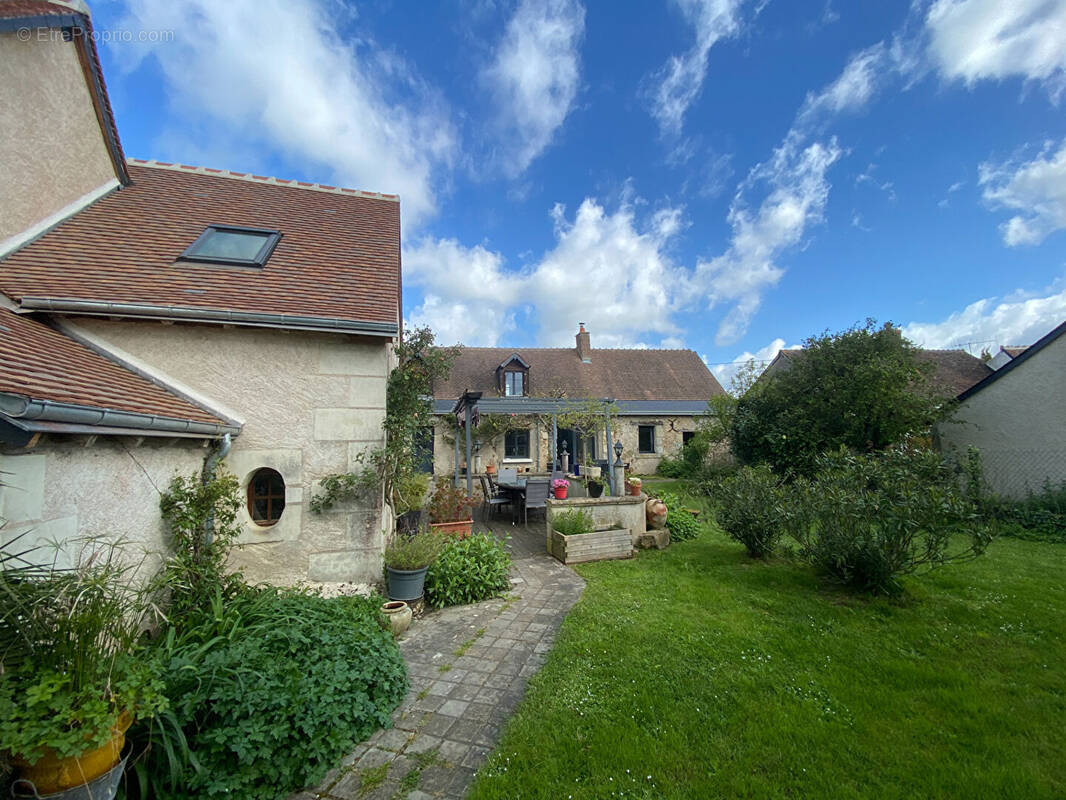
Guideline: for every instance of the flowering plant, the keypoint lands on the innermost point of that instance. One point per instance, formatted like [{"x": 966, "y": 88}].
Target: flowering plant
[
  {"x": 449, "y": 503},
  {"x": 560, "y": 483}
]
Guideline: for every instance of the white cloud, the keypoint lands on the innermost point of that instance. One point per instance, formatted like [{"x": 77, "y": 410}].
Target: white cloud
[
  {"x": 797, "y": 193},
  {"x": 725, "y": 373},
  {"x": 973, "y": 40},
  {"x": 278, "y": 71},
  {"x": 992, "y": 322},
  {"x": 608, "y": 270},
  {"x": 534, "y": 77},
  {"x": 852, "y": 90},
  {"x": 675, "y": 86},
  {"x": 1035, "y": 188}
]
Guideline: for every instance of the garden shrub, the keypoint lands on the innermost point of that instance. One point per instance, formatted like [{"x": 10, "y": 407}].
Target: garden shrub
[
  {"x": 1039, "y": 517},
  {"x": 467, "y": 571},
  {"x": 868, "y": 519},
  {"x": 271, "y": 689},
  {"x": 571, "y": 523},
  {"x": 749, "y": 509},
  {"x": 681, "y": 523}
]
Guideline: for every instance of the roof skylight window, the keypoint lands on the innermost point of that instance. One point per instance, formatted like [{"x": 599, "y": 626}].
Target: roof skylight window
[{"x": 227, "y": 244}]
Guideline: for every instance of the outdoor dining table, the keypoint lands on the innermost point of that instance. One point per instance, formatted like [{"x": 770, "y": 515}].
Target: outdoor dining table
[{"x": 516, "y": 490}]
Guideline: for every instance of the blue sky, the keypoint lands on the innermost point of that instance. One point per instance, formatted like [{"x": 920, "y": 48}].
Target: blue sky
[{"x": 722, "y": 175}]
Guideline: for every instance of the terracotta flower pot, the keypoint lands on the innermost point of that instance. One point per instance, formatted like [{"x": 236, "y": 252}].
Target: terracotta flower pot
[{"x": 458, "y": 530}]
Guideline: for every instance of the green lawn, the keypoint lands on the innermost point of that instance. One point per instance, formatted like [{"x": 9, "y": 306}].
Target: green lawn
[{"x": 695, "y": 672}]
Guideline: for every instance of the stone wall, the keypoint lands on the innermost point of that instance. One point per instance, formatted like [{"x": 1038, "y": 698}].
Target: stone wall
[
  {"x": 310, "y": 403},
  {"x": 669, "y": 433},
  {"x": 67, "y": 487}
]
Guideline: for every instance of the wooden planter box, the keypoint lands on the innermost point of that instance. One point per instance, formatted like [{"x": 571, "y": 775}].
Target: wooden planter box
[
  {"x": 458, "y": 530},
  {"x": 596, "y": 546}
]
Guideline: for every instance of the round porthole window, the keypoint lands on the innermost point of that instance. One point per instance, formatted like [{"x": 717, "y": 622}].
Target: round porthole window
[{"x": 266, "y": 496}]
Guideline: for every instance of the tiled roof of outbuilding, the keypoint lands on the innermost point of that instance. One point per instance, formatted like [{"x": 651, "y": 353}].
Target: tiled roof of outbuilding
[
  {"x": 619, "y": 374},
  {"x": 338, "y": 258},
  {"x": 38, "y": 362}
]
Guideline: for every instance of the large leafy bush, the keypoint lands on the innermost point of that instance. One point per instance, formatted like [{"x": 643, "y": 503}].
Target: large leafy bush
[
  {"x": 868, "y": 519},
  {"x": 271, "y": 688},
  {"x": 750, "y": 509},
  {"x": 468, "y": 570},
  {"x": 865, "y": 389}
]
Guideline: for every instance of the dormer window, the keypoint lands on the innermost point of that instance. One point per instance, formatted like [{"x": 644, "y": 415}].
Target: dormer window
[
  {"x": 514, "y": 384},
  {"x": 235, "y": 246},
  {"x": 512, "y": 377}
]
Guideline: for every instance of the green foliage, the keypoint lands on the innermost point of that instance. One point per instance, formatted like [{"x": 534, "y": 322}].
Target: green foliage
[
  {"x": 750, "y": 509},
  {"x": 467, "y": 571},
  {"x": 679, "y": 520},
  {"x": 272, "y": 688},
  {"x": 691, "y": 461},
  {"x": 868, "y": 519},
  {"x": 70, "y": 660},
  {"x": 571, "y": 523},
  {"x": 449, "y": 503},
  {"x": 864, "y": 388},
  {"x": 201, "y": 518},
  {"x": 413, "y": 552},
  {"x": 1039, "y": 517},
  {"x": 407, "y": 411}
]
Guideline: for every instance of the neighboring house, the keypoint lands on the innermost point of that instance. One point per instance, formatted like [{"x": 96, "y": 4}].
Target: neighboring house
[
  {"x": 954, "y": 371},
  {"x": 1005, "y": 356},
  {"x": 658, "y": 395},
  {"x": 1016, "y": 418},
  {"x": 156, "y": 316}
]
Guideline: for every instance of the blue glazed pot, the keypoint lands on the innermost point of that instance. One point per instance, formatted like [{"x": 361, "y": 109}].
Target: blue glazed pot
[{"x": 406, "y": 584}]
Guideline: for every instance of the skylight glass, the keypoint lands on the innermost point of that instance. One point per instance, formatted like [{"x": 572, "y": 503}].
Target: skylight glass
[{"x": 221, "y": 244}]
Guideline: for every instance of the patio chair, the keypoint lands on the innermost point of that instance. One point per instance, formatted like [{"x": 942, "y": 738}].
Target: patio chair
[
  {"x": 493, "y": 500},
  {"x": 536, "y": 495},
  {"x": 508, "y": 475}
]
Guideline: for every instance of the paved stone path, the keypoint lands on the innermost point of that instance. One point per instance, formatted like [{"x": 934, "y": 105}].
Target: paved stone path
[{"x": 468, "y": 666}]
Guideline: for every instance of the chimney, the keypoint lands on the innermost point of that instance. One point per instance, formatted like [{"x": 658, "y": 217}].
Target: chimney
[{"x": 584, "y": 344}]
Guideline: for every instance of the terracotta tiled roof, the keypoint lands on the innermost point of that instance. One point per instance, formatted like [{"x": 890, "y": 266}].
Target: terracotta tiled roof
[
  {"x": 38, "y": 362},
  {"x": 954, "y": 371},
  {"x": 620, "y": 374},
  {"x": 338, "y": 257},
  {"x": 10, "y": 9}
]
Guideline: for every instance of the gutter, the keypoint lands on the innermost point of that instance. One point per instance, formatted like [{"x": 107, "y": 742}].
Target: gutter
[
  {"x": 105, "y": 308},
  {"x": 30, "y": 414}
]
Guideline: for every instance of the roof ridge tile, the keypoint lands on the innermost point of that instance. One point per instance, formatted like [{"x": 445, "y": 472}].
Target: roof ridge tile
[{"x": 268, "y": 179}]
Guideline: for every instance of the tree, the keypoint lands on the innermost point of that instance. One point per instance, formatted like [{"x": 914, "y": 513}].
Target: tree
[{"x": 863, "y": 388}]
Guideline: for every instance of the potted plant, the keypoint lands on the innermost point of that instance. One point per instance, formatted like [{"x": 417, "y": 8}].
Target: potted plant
[
  {"x": 560, "y": 487},
  {"x": 406, "y": 560},
  {"x": 73, "y": 673},
  {"x": 594, "y": 486},
  {"x": 490, "y": 469},
  {"x": 634, "y": 485},
  {"x": 450, "y": 510}
]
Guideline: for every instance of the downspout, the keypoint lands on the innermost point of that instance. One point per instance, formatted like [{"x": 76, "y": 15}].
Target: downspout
[{"x": 210, "y": 464}]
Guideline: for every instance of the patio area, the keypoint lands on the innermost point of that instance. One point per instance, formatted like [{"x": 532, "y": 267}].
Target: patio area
[{"x": 468, "y": 667}]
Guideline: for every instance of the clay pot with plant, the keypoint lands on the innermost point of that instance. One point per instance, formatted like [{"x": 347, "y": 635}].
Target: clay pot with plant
[
  {"x": 450, "y": 510},
  {"x": 75, "y": 674}
]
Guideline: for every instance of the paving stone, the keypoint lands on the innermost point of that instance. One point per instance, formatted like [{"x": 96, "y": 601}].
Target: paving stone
[
  {"x": 478, "y": 712},
  {"x": 423, "y": 743},
  {"x": 465, "y": 730},
  {"x": 453, "y": 708},
  {"x": 374, "y": 758},
  {"x": 464, "y": 691},
  {"x": 435, "y": 779},
  {"x": 453, "y": 752},
  {"x": 476, "y": 756},
  {"x": 438, "y": 725},
  {"x": 393, "y": 739}
]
